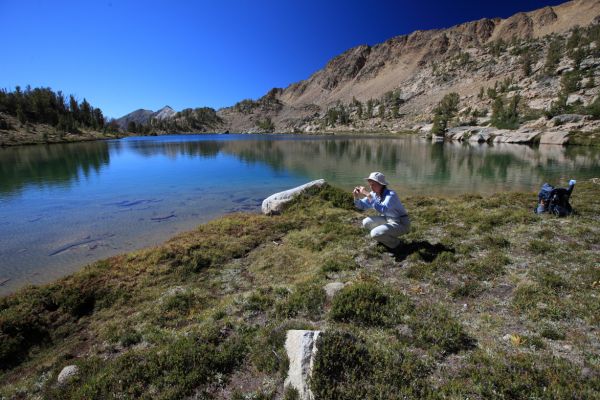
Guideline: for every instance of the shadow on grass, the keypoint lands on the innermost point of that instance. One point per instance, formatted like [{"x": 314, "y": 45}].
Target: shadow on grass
[{"x": 427, "y": 251}]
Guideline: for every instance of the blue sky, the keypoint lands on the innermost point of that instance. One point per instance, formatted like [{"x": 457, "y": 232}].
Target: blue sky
[{"x": 125, "y": 55}]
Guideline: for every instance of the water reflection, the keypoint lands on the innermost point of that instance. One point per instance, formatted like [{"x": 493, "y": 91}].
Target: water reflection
[
  {"x": 49, "y": 165},
  {"x": 173, "y": 149},
  {"x": 425, "y": 167}
]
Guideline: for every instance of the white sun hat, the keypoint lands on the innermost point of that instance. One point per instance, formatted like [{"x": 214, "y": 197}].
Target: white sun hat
[{"x": 377, "y": 177}]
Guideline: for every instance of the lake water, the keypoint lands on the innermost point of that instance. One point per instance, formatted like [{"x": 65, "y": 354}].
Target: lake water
[{"x": 63, "y": 206}]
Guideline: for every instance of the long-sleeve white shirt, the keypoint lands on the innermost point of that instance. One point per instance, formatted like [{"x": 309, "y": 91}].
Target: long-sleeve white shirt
[{"x": 389, "y": 206}]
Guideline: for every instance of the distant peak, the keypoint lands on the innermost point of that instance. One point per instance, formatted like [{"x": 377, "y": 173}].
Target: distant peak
[{"x": 165, "y": 112}]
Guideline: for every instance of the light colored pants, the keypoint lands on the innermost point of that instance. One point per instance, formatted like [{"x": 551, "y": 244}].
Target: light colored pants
[{"x": 386, "y": 231}]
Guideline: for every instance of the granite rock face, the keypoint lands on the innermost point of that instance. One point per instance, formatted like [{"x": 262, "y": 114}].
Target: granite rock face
[
  {"x": 559, "y": 137},
  {"x": 301, "y": 347}
]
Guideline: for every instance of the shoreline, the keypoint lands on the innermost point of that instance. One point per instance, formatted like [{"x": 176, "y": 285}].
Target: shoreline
[{"x": 463, "y": 134}]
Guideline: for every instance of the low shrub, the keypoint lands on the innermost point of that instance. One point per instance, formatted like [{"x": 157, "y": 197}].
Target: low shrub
[
  {"x": 470, "y": 288},
  {"x": 488, "y": 266},
  {"x": 436, "y": 330},
  {"x": 347, "y": 367},
  {"x": 368, "y": 303},
  {"x": 520, "y": 376},
  {"x": 259, "y": 300},
  {"x": 340, "y": 367},
  {"x": 174, "y": 370},
  {"x": 307, "y": 300}
]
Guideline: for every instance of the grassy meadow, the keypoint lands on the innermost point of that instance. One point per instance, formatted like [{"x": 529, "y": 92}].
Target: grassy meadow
[{"x": 483, "y": 300}]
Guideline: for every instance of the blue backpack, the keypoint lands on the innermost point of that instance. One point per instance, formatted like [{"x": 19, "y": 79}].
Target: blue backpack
[{"x": 555, "y": 200}]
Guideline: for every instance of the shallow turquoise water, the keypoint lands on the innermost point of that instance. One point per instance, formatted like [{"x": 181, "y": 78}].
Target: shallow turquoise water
[{"x": 62, "y": 206}]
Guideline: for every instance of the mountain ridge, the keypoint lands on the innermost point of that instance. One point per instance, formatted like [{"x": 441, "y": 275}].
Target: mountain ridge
[
  {"x": 143, "y": 117},
  {"x": 419, "y": 68}
]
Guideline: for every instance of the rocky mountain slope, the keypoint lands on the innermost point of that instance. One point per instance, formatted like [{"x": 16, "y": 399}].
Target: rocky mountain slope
[
  {"x": 143, "y": 117},
  {"x": 397, "y": 84}
]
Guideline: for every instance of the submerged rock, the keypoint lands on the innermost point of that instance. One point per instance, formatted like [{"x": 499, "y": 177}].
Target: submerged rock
[
  {"x": 275, "y": 202},
  {"x": 301, "y": 347}
]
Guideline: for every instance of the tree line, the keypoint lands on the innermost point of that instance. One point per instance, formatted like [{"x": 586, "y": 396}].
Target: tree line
[{"x": 44, "y": 106}]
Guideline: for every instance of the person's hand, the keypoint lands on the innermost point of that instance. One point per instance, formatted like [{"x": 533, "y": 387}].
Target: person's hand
[
  {"x": 356, "y": 192},
  {"x": 364, "y": 191}
]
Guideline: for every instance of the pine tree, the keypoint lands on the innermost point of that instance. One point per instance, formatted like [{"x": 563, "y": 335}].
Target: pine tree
[
  {"x": 381, "y": 111},
  {"x": 395, "y": 111},
  {"x": 359, "y": 110},
  {"x": 74, "y": 108},
  {"x": 553, "y": 56},
  {"x": 505, "y": 117},
  {"x": 369, "y": 108},
  {"x": 86, "y": 113},
  {"x": 526, "y": 60},
  {"x": 444, "y": 112}
]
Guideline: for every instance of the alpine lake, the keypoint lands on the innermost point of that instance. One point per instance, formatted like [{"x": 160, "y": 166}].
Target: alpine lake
[{"x": 65, "y": 205}]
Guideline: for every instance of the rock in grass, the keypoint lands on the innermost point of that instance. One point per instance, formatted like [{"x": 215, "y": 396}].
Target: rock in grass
[
  {"x": 332, "y": 288},
  {"x": 301, "y": 347},
  {"x": 275, "y": 202},
  {"x": 67, "y": 373}
]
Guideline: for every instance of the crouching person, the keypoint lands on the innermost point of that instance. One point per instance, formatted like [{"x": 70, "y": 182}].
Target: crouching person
[{"x": 393, "y": 220}]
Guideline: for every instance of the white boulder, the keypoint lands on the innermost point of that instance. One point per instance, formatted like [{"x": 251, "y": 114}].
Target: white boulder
[
  {"x": 576, "y": 98},
  {"x": 332, "y": 288},
  {"x": 518, "y": 136},
  {"x": 559, "y": 137},
  {"x": 67, "y": 373},
  {"x": 275, "y": 202},
  {"x": 301, "y": 348}
]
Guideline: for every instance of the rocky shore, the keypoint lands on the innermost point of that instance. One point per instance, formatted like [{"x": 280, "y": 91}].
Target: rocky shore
[{"x": 559, "y": 130}]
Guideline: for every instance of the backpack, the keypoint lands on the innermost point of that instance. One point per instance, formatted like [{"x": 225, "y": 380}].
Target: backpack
[{"x": 554, "y": 200}]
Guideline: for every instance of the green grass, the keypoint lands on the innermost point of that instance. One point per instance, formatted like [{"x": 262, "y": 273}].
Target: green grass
[{"x": 206, "y": 313}]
